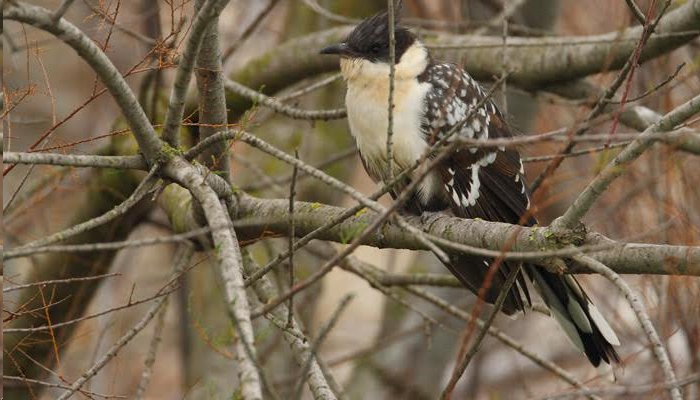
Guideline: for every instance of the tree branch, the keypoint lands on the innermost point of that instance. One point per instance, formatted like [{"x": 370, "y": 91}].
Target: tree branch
[
  {"x": 72, "y": 160},
  {"x": 176, "y": 104},
  {"x": 230, "y": 264},
  {"x": 619, "y": 164},
  {"x": 658, "y": 348},
  {"x": 294, "y": 336},
  {"x": 258, "y": 218},
  {"x": 212, "y": 100},
  {"x": 535, "y": 62}
]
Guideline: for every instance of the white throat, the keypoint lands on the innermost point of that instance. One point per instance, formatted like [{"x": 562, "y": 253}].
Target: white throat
[{"x": 412, "y": 63}]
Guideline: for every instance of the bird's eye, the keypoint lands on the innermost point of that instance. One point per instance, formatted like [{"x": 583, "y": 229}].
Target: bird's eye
[{"x": 375, "y": 48}]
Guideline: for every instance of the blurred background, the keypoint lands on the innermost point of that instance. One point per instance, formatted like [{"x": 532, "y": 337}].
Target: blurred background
[{"x": 379, "y": 349}]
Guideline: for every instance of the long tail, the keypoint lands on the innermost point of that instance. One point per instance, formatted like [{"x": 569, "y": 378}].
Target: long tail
[
  {"x": 580, "y": 319},
  {"x": 570, "y": 306}
]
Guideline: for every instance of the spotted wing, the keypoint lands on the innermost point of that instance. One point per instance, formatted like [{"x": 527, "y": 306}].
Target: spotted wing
[
  {"x": 489, "y": 184},
  {"x": 478, "y": 183}
]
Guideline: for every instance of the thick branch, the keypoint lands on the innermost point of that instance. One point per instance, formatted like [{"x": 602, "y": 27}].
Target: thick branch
[
  {"x": 260, "y": 217},
  {"x": 230, "y": 263},
  {"x": 535, "y": 62},
  {"x": 212, "y": 100},
  {"x": 176, "y": 104}
]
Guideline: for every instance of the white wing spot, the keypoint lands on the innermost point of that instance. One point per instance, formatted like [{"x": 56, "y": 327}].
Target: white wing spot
[
  {"x": 455, "y": 197},
  {"x": 476, "y": 124},
  {"x": 464, "y": 201},
  {"x": 474, "y": 185}
]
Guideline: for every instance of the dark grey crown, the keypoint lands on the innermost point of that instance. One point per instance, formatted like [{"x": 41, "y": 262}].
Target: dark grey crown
[{"x": 370, "y": 39}]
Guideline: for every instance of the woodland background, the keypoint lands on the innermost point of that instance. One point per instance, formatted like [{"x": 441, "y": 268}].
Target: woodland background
[{"x": 386, "y": 340}]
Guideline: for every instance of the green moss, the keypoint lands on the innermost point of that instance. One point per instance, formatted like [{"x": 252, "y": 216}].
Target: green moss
[
  {"x": 351, "y": 232},
  {"x": 177, "y": 202},
  {"x": 448, "y": 231},
  {"x": 171, "y": 151},
  {"x": 361, "y": 212},
  {"x": 533, "y": 235}
]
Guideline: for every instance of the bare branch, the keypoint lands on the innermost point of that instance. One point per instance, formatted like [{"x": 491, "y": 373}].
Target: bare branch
[
  {"x": 144, "y": 187},
  {"x": 90, "y": 247},
  {"x": 298, "y": 343},
  {"x": 626, "y": 390},
  {"x": 535, "y": 62},
  {"x": 212, "y": 99},
  {"x": 61, "y": 10},
  {"x": 116, "y": 347},
  {"x": 316, "y": 343},
  {"x": 638, "y": 14},
  {"x": 657, "y": 347},
  {"x": 619, "y": 164},
  {"x": 176, "y": 104},
  {"x": 271, "y": 217},
  {"x": 71, "y": 160},
  {"x": 281, "y": 108},
  {"x": 230, "y": 264}
]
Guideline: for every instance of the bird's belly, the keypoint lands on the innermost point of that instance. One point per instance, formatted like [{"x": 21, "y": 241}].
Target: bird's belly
[{"x": 367, "y": 107}]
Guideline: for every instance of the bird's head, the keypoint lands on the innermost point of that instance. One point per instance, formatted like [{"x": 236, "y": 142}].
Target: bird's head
[{"x": 368, "y": 46}]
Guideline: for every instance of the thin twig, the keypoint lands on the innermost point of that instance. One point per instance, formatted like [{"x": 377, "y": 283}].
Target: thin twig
[
  {"x": 462, "y": 364},
  {"x": 151, "y": 355},
  {"x": 61, "y": 10},
  {"x": 498, "y": 335},
  {"x": 284, "y": 109},
  {"x": 626, "y": 71},
  {"x": 136, "y": 118},
  {"x": 57, "y": 281},
  {"x": 139, "y": 193},
  {"x": 182, "y": 258},
  {"x": 626, "y": 390},
  {"x": 657, "y": 346},
  {"x": 316, "y": 343},
  {"x": 90, "y": 247},
  {"x": 24, "y": 380},
  {"x": 248, "y": 30},
  {"x": 392, "y": 83},
  {"x": 341, "y": 156},
  {"x": 638, "y": 14},
  {"x": 292, "y": 194},
  {"x": 618, "y": 165},
  {"x": 320, "y": 384},
  {"x": 323, "y": 82},
  {"x": 147, "y": 41},
  {"x": 112, "y": 352}
]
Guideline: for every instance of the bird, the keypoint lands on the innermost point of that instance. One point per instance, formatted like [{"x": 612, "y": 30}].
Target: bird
[{"x": 432, "y": 99}]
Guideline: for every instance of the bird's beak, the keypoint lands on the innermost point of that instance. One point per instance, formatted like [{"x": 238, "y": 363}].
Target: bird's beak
[{"x": 340, "y": 49}]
